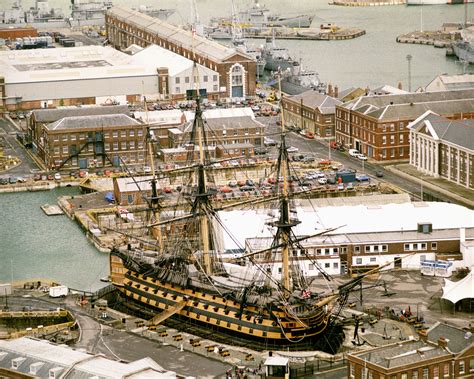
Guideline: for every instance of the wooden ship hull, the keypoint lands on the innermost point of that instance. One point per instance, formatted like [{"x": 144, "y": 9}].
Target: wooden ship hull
[{"x": 271, "y": 327}]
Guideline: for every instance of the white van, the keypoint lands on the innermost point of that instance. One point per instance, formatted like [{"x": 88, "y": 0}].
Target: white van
[{"x": 354, "y": 152}]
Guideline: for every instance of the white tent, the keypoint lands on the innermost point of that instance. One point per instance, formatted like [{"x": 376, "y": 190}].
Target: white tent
[{"x": 455, "y": 291}]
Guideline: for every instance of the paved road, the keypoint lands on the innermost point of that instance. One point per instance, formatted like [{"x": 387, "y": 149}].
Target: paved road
[
  {"x": 320, "y": 150},
  {"x": 14, "y": 148}
]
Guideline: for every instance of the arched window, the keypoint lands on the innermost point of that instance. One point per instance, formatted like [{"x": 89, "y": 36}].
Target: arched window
[{"x": 237, "y": 76}]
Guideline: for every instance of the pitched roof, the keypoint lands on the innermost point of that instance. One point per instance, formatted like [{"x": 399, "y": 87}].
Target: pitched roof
[
  {"x": 96, "y": 121},
  {"x": 457, "y": 339},
  {"x": 51, "y": 115},
  {"x": 457, "y": 132},
  {"x": 402, "y": 354},
  {"x": 313, "y": 99},
  {"x": 174, "y": 34},
  {"x": 414, "y": 104}
]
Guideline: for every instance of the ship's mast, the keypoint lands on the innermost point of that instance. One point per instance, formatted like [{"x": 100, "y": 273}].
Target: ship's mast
[
  {"x": 284, "y": 224},
  {"x": 201, "y": 200}
]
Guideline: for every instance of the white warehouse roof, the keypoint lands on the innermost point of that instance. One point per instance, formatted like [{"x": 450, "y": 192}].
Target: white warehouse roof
[
  {"x": 88, "y": 62},
  {"x": 350, "y": 219}
]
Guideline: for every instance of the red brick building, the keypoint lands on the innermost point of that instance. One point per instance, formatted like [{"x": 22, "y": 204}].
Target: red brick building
[
  {"x": 237, "y": 71},
  {"x": 377, "y": 125}
]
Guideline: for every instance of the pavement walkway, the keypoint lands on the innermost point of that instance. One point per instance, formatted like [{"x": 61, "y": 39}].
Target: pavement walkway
[{"x": 452, "y": 190}]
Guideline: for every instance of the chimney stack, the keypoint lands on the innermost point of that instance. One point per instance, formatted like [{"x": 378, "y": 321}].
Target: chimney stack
[
  {"x": 336, "y": 91},
  {"x": 330, "y": 90},
  {"x": 443, "y": 342},
  {"x": 400, "y": 86},
  {"x": 423, "y": 335}
]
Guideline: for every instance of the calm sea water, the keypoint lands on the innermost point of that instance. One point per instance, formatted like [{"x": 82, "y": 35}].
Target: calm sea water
[
  {"x": 33, "y": 245},
  {"x": 372, "y": 60}
]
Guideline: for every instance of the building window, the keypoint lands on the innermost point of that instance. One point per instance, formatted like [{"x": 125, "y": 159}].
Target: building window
[
  {"x": 462, "y": 367},
  {"x": 205, "y": 78},
  {"x": 140, "y": 133},
  {"x": 367, "y": 249},
  {"x": 356, "y": 249},
  {"x": 471, "y": 365},
  {"x": 132, "y": 133},
  {"x": 311, "y": 267},
  {"x": 423, "y": 246},
  {"x": 107, "y": 146},
  {"x": 237, "y": 75},
  {"x": 407, "y": 247},
  {"x": 384, "y": 247},
  {"x": 426, "y": 373},
  {"x": 335, "y": 265},
  {"x": 176, "y": 80},
  {"x": 434, "y": 245},
  {"x": 327, "y": 265},
  {"x": 132, "y": 145},
  {"x": 403, "y": 375},
  {"x": 214, "y": 78},
  {"x": 115, "y": 145},
  {"x": 215, "y": 87},
  {"x": 435, "y": 372},
  {"x": 358, "y": 261},
  {"x": 352, "y": 370},
  {"x": 177, "y": 90},
  {"x": 186, "y": 79},
  {"x": 446, "y": 369},
  {"x": 401, "y": 138},
  {"x": 65, "y": 149},
  {"x": 123, "y": 133},
  {"x": 373, "y": 259},
  {"x": 414, "y": 375}
]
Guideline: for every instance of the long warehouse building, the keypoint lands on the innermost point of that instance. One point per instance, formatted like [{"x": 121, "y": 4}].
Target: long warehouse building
[
  {"x": 237, "y": 71},
  {"x": 46, "y": 78}
]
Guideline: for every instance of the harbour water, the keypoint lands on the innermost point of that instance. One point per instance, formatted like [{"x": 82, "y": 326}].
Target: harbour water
[
  {"x": 33, "y": 245},
  {"x": 371, "y": 60}
]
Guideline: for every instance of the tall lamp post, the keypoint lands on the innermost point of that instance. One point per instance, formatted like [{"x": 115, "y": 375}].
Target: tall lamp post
[{"x": 409, "y": 58}]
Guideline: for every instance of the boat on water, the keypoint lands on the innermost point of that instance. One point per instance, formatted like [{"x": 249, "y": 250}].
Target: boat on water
[
  {"x": 464, "y": 48},
  {"x": 259, "y": 16},
  {"x": 276, "y": 58},
  {"x": 83, "y": 13},
  {"x": 298, "y": 80},
  {"x": 181, "y": 277}
]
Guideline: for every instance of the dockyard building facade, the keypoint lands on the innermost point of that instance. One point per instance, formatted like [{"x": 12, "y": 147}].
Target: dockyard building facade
[
  {"x": 406, "y": 241},
  {"x": 47, "y": 78},
  {"x": 443, "y": 148},
  {"x": 87, "y": 137},
  {"x": 233, "y": 132},
  {"x": 377, "y": 125},
  {"x": 312, "y": 112},
  {"x": 237, "y": 71}
]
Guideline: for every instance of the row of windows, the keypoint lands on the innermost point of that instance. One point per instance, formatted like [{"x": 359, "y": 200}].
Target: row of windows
[
  {"x": 83, "y": 136},
  {"x": 443, "y": 370},
  {"x": 205, "y": 79},
  {"x": 419, "y": 246}
]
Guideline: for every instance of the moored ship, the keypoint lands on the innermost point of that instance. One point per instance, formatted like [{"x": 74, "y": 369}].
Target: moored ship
[
  {"x": 297, "y": 80},
  {"x": 464, "y": 48},
  {"x": 183, "y": 278},
  {"x": 276, "y": 58}
]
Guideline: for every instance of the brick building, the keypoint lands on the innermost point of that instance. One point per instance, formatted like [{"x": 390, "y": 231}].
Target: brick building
[
  {"x": 442, "y": 352},
  {"x": 443, "y": 148},
  {"x": 87, "y": 137},
  {"x": 237, "y": 71},
  {"x": 377, "y": 125},
  {"x": 233, "y": 132},
  {"x": 312, "y": 112}
]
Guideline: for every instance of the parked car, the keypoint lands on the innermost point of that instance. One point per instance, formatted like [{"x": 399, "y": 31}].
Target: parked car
[
  {"x": 57, "y": 176},
  {"x": 233, "y": 183},
  {"x": 332, "y": 180},
  {"x": 340, "y": 186},
  {"x": 353, "y": 152},
  {"x": 292, "y": 149},
  {"x": 36, "y": 177},
  {"x": 350, "y": 186},
  {"x": 249, "y": 182},
  {"x": 362, "y": 157},
  {"x": 322, "y": 180},
  {"x": 379, "y": 174},
  {"x": 3, "y": 181},
  {"x": 269, "y": 142},
  {"x": 362, "y": 178}
]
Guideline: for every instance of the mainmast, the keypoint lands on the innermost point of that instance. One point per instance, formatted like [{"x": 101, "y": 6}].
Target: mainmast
[
  {"x": 201, "y": 201},
  {"x": 284, "y": 224}
]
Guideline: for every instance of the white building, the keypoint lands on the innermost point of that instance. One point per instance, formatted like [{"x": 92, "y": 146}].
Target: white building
[
  {"x": 444, "y": 148},
  {"x": 97, "y": 75},
  {"x": 361, "y": 240},
  {"x": 31, "y": 358},
  {"x": 450, "y": 82}
]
